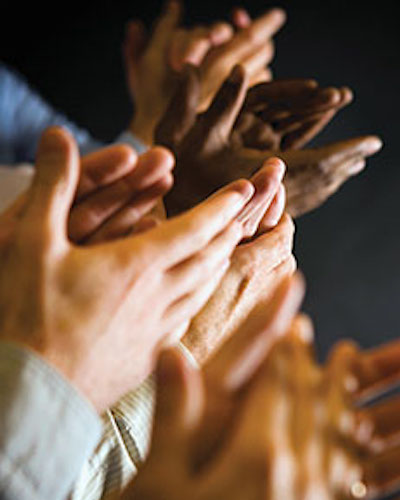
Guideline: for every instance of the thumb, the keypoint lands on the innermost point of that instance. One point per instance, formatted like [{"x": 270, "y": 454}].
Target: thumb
[
  {"x": 54, "y": 185},
  {"x": 181, "y": 113},
  {"x": 179, "y": 403}
]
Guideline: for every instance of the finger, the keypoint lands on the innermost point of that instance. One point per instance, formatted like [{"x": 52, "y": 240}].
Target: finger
[
  {"x": 377, "y": 370},
  {"x": 182, "y": 110},
  {"x": 223, "y": 111},
  {"x": 271, "y": 248},
  {"x": 266, "y": 182},
  {"x": 344, "y": 150},
  {"x": 165, "y": 26},
  {"x": 259, "y": 60},
  {"x": 263, "y": 76},
  {"x": 181, "y": 237},
  {"x": 241, "y": 18},
  {"x": 221, "y": 33},
  {"x": 129, "y": 219},
  {"x": 299, "y": 110},
  {"x": 382, "y": 473},
  {"x": 54, "y": 186},
  {"x": 187, "y": 307},
  {"x": 185, "y": 277},
  {"x": 277, "y": 93},
  {"x": 88, "y": 216},
  {"x": 189, "y": 47},
  {"x": 313, "y": 186},
  {"x": 255, "y": 35},
  {"x": 179, "y": 403},
  {"x": 302, "y": 329},
  {"x": 274, "y": 212},
  {"x": 383, "y": 419},
  {"x": 255, "y": 134},
  {"x": 306, "y": 131},
  {"x": 134, "y": 44},
  {"x": 244, "y": 353},
  {"x": 104, "y": 167}
]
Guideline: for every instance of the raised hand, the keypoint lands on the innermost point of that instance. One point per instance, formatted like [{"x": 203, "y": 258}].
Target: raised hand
[
  {"x": 372, "y": 430},
  {"x": 209, "y": 147},
  {"x": 257, "y": 267},
  {"x": 116, "y": 193},
  {"x": 153, "y": 62},
  {"x": 86, "y": 309},
  {"x": 186, "y": 457}
]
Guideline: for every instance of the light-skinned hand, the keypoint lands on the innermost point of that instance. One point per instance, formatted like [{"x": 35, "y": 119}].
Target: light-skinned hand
[{"x": 87, "y": 310}]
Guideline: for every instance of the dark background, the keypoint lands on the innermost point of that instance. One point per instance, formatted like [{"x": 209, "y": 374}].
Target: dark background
[{"x": 349, "y": 249}]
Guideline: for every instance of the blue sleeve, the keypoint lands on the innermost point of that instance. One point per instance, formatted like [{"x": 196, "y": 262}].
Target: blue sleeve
[{"x": 23, "y": 117}]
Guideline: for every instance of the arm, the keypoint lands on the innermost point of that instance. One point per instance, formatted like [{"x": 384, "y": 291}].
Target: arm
[
  {"x": 46, "y": 429},
  {"x": 25, "y": 115}
]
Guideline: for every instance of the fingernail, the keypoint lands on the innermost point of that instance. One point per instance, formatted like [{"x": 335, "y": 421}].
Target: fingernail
[{"x": 275, "y": 166}]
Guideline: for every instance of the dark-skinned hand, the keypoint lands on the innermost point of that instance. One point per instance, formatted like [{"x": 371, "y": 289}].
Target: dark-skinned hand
[{"x": 211, "y": 148}]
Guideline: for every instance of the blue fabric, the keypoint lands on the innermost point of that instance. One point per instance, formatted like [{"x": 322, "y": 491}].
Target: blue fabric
[{"x": 23, "y": 117}]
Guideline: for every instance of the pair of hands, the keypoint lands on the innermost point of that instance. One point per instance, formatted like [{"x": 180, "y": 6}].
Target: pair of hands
[
  {"x": 85, "y": 309},
  {"x": 240, "y": 130},
  {"x": 262, "y": 420},
  {"x": 153, "y": 62}
]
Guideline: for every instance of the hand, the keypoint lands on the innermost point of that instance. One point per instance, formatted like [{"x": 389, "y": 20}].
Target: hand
[
  {"x": 315, "y": 174},
  {"x": 255, "y": 271},
  {"x": 204, "y": 143},
  {"x": 153, "y": 63},
  {"x": 287, "y": 114},
  {"x": 116, "y": 194},
  {"x": 233, "y": 468},
  {"x": 372, "y": 430},
  {"x": 81, "y": 307}
]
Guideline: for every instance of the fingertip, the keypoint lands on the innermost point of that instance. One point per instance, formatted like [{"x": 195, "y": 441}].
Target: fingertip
[
  {"x": 275, "y": 165},
  {"x": 124, "y": 153},
  {"x": 244, "y": 187},
  {"x": 162, "y": 157},
  {"x": 56, "y": 139},
  {"x": 279, "y": 15},
  {"x": 374, "y": 144},
  {"x": 303, "y": 328},
  {"x": 173, "y": 8},
  {"x": 347, "y": 95},
  {"x": 332, "y": 96},
  {"x": 221, "y": 33},
  {"x": 241, "y": 18}
]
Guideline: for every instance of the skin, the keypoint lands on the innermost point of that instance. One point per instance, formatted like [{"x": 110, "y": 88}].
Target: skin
[
  {"x": 262, "y": 405},
  {"x": 96, "y": 293},
  {"x": 256, "y": 269},
  {"x": 153, "y": 62},
  {"x": 210, "y": 148},
  {"x": 116, "y": 190}
]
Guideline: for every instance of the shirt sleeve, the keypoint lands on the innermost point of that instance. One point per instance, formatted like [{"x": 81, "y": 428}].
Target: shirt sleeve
[
  {"x": 24, "y": 115},
  {"x": 47, "y": 429}
]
